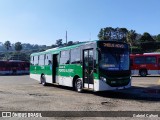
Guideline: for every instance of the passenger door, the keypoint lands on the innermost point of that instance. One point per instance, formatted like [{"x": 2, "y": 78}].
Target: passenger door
[
  {"x": 54, "y": 67},
  {"x": 88, "y": 68}
]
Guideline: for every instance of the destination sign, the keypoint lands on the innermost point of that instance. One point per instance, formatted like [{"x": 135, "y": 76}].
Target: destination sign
[{"x": 113, "y": 45}]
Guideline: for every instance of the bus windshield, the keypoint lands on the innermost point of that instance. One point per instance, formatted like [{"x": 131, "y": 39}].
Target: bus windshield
[{"x": 114, "y": 59}]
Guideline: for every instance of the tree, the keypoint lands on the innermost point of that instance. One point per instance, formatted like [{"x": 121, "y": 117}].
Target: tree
[
  {"x": 70, "y": 43},
  {"x": 53, "y": 46},
  {"x": 131, "y": 37},
  {"x": 105, "y": 33},
  {"x": 110, "y": 33},
  {"x": 146, "y": 37},
  {"x": 124, "y": 33},
  {"x": 101, "y": 34},
  {"x": 7, "y": 45},
  {"x": 35, "y": 46},
  {"x": 59, "y": 42},
  {"x": 18, "y": 46},
  {"x": 158, "y": 38},
  {"x": 27, "y": 46}
]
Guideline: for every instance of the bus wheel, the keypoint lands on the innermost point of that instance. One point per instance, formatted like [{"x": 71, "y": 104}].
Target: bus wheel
[
  {"x": 143, "y": 73},
  {"x": 43, "y": 80},
  {"x": 78, "y": 85}
]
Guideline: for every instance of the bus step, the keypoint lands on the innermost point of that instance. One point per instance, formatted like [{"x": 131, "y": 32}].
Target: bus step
[{"x": 89, "y": 89}]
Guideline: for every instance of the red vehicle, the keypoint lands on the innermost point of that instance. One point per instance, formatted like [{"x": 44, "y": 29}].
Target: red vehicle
[
  {"x": 145, "y": 64},
  {"x": 14, "y": 67}
]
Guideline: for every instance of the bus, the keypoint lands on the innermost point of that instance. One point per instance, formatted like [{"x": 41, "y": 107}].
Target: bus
[
  {"x": 96, "y": 66},
  {"x": 14, "y": 67},
  {"x": 145, "y": 64}
]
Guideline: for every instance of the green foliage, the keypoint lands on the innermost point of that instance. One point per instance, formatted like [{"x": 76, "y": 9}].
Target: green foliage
[
  {"x": 59, "y": 42},
  {"x": 139, "y": 43},
  {"x": 109, "y": 33},
  {"x": 158, "y": 38},
  {"x": 18, "y": 46},
  {"x": 150, "y": 46},
  {"x": 53, "y": 46},
  {"x": 19, "y": 56},
  {"x": 7, "y": 45},
  {"x": 146, "y": 37},
  {"x": 131, "y": 37},
  {"x": 101, "y": 35},
  {"x": 70, "y": 43},
  {"x": 135, "y": 50},
  {"x": 2, "y": 55}
]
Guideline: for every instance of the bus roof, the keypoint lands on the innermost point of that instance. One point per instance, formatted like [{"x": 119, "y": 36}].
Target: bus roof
[
  {"x": 58, "y": 49},
  {"x": 147, "y": 54},
  {"x": 16, "y": 61},
  {"x": 12, "y": 61},
  {"x": 153, "y": 53}
]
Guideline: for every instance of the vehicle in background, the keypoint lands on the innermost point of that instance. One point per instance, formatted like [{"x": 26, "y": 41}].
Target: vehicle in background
[
  {"x": 96, "y": 66},
  {"x": 145, "y": 64},
  {"x": 14, "y": 67}
]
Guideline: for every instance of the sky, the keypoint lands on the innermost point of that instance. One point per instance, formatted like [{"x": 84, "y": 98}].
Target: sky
[{"x": 43, "y": 22}]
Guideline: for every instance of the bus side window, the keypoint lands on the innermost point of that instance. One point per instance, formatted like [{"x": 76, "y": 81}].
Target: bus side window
[
  {"x": 75, "y": 56},
  {"x": 36, "y": 58},
  {"x": 32, "y": 60},
  {"x": 41, "y": 59},
  {"x": 139, "y": 60},
  {"x": 65, "y": 57},
  {"x": 48, "y": 59},
  {"x": 150, "y": 60},
  {"x": 159, "y": 61}
]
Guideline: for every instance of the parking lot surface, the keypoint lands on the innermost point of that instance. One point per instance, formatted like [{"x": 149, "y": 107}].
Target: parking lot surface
[{"x": 21, "y": 93}]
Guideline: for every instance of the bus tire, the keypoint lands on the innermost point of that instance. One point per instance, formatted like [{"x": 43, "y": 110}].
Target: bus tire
[
  {"x": 78, "y": 85},
  {"x": 143, "y": 73},
  {"x": 43, "y": 80}
]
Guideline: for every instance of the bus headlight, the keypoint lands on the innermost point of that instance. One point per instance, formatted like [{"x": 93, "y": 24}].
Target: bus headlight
[{"x": 103, "y": 79}]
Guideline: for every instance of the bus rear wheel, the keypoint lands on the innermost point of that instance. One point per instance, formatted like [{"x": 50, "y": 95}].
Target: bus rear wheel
[
  {"x": 143, "y": 73},
  {"x": 43, "y": 80},
  {"x": 78, "y": 85}
]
